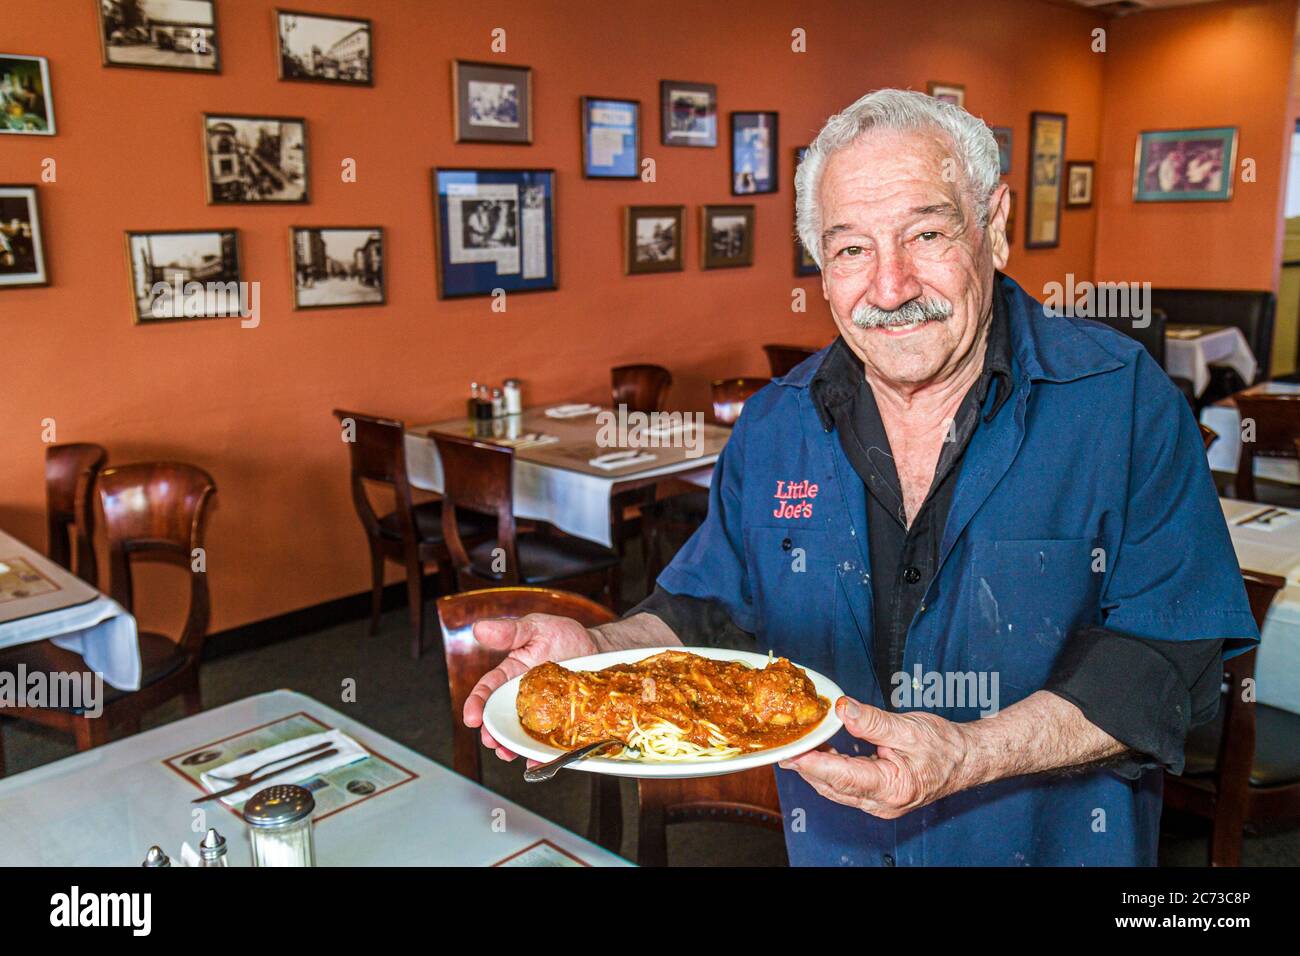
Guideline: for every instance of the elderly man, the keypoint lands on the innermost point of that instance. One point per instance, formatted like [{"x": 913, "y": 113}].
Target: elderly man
[{"x": 984, "y": 491}]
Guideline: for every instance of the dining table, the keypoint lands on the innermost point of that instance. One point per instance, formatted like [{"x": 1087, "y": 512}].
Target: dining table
[
  {"x": 1190, "y": 350},
  {"x": 107, "y": 806},
  {"x": 1267, "y": 540},
  {"x": 1223, "y": 417},
  {"x": 568, "y": 467},
  {"x": 40, "y": 600}
]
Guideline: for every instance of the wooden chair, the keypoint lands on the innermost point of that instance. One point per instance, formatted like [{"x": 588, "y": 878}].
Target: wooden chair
[
  {"x": 783, "y": 358},
  {"x": 1209, "y": 436},
  {"x": 70, "y": 473},
  {"x": 748, "y": 797},
  {"x": 410, "y": 534},
  {"x": 642, "y": 388},
  {"x": 1277, "y": 426},
  {"x": 1243, "y": 768},
  {"x": 467, "y": 661},
  {"x": 730, "y": 395},
  {"x": 478, "y": 478},
  {"x": 153, "y": 512}
]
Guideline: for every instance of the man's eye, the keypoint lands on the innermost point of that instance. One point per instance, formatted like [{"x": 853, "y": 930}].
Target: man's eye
[
  {"x": 929, "y": 236},
  {"x": 851, "y": 251}
]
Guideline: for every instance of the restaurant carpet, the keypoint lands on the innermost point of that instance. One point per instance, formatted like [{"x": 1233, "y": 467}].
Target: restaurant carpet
[{"x": 408, "y": 701}]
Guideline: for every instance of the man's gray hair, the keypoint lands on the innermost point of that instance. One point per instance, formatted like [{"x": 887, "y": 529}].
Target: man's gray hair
[{"x": 975, "y": 150}]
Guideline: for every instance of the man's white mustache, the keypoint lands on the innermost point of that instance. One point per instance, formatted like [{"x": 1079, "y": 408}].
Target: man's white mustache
[{"x": 867, "y": 316}]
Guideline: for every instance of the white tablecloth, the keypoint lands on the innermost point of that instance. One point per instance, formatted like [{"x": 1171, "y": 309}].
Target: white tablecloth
[
  {"x": 1191, "y": 358},
  {"x": 1226, "y": 450}
]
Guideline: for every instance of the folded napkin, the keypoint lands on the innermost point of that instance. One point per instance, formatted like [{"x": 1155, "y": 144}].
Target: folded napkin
[
  {"x": 615, "y": 460},
  {"x": 528, "y": 441},
  {"x": 1286, "y": 521},
  {"x": 571, "y": 411},
  {"x": 349, "y": 751}
]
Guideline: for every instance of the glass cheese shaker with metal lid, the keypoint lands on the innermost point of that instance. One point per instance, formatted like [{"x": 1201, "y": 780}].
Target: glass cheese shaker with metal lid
[{"x": 279, "y": 826}]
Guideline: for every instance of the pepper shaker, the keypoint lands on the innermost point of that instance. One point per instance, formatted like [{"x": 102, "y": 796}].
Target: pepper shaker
[{"x": 212, "y": 850}]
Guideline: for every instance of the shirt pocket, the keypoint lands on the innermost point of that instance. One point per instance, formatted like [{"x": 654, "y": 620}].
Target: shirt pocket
[
  {"x": 1026, "y": 598},
  {"x": 792, "y": 580}
]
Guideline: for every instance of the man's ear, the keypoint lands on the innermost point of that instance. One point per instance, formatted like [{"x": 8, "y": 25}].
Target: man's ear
[{"x": 996, "y": 230}]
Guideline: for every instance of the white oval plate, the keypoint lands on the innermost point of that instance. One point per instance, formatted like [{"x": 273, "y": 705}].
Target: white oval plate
[{"x": 502, "y": 721}]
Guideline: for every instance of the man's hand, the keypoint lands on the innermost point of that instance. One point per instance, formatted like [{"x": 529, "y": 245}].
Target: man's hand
[
  {"x": 531, "y": 640},
  {"x": 919, "y": 758}
]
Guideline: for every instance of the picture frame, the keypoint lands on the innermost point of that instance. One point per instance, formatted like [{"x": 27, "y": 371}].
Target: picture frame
[
  {"x": 1079, "y": 178},
  {"x": 1004, "y": 139},
  {"x": 754, "y": 147},
  {"x": 324, "y": 48},
  {"x": 491, "y": 102},
  {"x": 611, "y": 137},
  {"x": 334, "y": 267},
  {"x": 654, "y": 237},
  {"x": 22, "y": 239},
  {"x": 804, "y": 264},
  {"x": 486, "y": 222},
  {"x": 726, "y": 236},
  {"x": 1011, "y": 218},
  {"x": 255, "y": 160},
  {"x": 1046, "y": 179},
  {"x": 26, "y": 98},
  {"x": 954, "y": 93},
  {"x": 1185, "y": 165},
  {"x": 688, "y": 113},
  {"x": 173, "y": 38},
  {"x": 203, "y": 264}
]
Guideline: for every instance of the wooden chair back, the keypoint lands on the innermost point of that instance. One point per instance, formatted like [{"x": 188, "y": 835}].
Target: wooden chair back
[
  {"x": 642, "y": 388},
  {"x": 1209, "y": 436},
  {"x": 730, "y": 395},
  {"x": 479, "y": 477},
  {"x": 749, "y": 797},
  {"x": 783, "y": 358},
  {"x": 468, "y": 660},
  {"x": 157, "y": 512},
  {"x": 377, "y": 454},
  {"x": 70, "y": 474},
  {"x": 1276, "y": 424}
]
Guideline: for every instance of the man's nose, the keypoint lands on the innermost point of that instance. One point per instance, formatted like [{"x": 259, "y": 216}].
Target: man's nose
[{"x": 895, "y": 281}]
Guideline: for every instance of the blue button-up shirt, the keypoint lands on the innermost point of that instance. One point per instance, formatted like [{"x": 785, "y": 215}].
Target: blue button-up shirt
[{"x": 1091, "y": 504}]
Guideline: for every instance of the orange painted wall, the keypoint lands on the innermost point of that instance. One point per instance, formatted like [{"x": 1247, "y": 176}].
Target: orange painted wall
[
  {"x": 253, "y": 405},
  {"x": 1220, "y": 64}
]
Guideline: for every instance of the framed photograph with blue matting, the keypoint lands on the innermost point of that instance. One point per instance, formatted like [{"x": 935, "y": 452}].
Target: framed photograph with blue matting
[
  {"x": 1185, "y": 165},
  {"x": 753, "y": 153},
  {"x": 611, "y": 138},
  {"x": 494, "y": 230}
]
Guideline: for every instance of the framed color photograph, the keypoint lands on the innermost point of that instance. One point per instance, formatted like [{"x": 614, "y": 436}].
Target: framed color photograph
[
  {"x": 26, "y": 104},
  {"x": 184, "y": 274},
  {"x": 255, "y": 159},
  {"x": 654, "y": 239},
  {"x": 22, "y": 249},
  {"x": 688, "y": 113},
  {"x": 804, "y": 264},
  {"x": 494, "y": 229},
  {"x": 1185, "y": 165},
  {"x": 727, "y": 236},
  {"x": 159, "y": 34},
  {"x": 492, "y": 102},
  {"x": 954, "y": 93},
  {"x": 324, "y": 49},
  {"x": 1078, "y": 184},
  {"x": 337, "y": 266},
  {"x": 1046, "y": 174},
  {"x": 753, "y": 153},
  {"x": 611, "y": 138},
  {"x": 1003, "y": 135}
]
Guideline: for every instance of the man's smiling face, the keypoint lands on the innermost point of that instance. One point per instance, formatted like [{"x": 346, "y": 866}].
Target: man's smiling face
[{"x": 907, "y": 269}]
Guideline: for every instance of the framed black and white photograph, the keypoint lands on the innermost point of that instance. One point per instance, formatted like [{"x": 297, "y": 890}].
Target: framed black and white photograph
[
  {"x": 492, "y": 102},
  {"x": 160, "y": 34},
  {"x": 727, "y": 236},
  {"x": 337, "y": 266},
  {"x": 494, "y": 230},
  {"x": 1185, "y": 165},
  {"x": 1078, "y": 184},
  {"x": 255, "y": 159},
  {"x": 611, "y": 138},
  {"x": 324, "y": 49},
  {"x": 1046, "y": 180},
  {"x": 184, "y": 274},
  {"x": 804, "y": 264},
  {"x": 954, "y": 93},
  {"x": 22, "y": 249},
  {"x": 688, "y": 113},
  {"x": 26, "y": 104},
  {"x": 753, "y": 153},
  {"x": 654, "y": 239}
]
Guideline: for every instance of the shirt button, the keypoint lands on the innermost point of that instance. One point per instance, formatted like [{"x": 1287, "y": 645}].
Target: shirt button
[
  {"x": 889, "y": 860},
  {"x": 911, "y": 574},
  {"x": 787, "y": 544}
]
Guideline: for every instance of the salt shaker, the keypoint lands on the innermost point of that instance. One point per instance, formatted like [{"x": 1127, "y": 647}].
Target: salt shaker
[
  {"x": 156, "y": 857},
  {"x": 279, "y": 826},
  {"x": 512, "y": 391},
  {"x": 498, "y": 403},
  {"x": 212, "y": 850}
]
